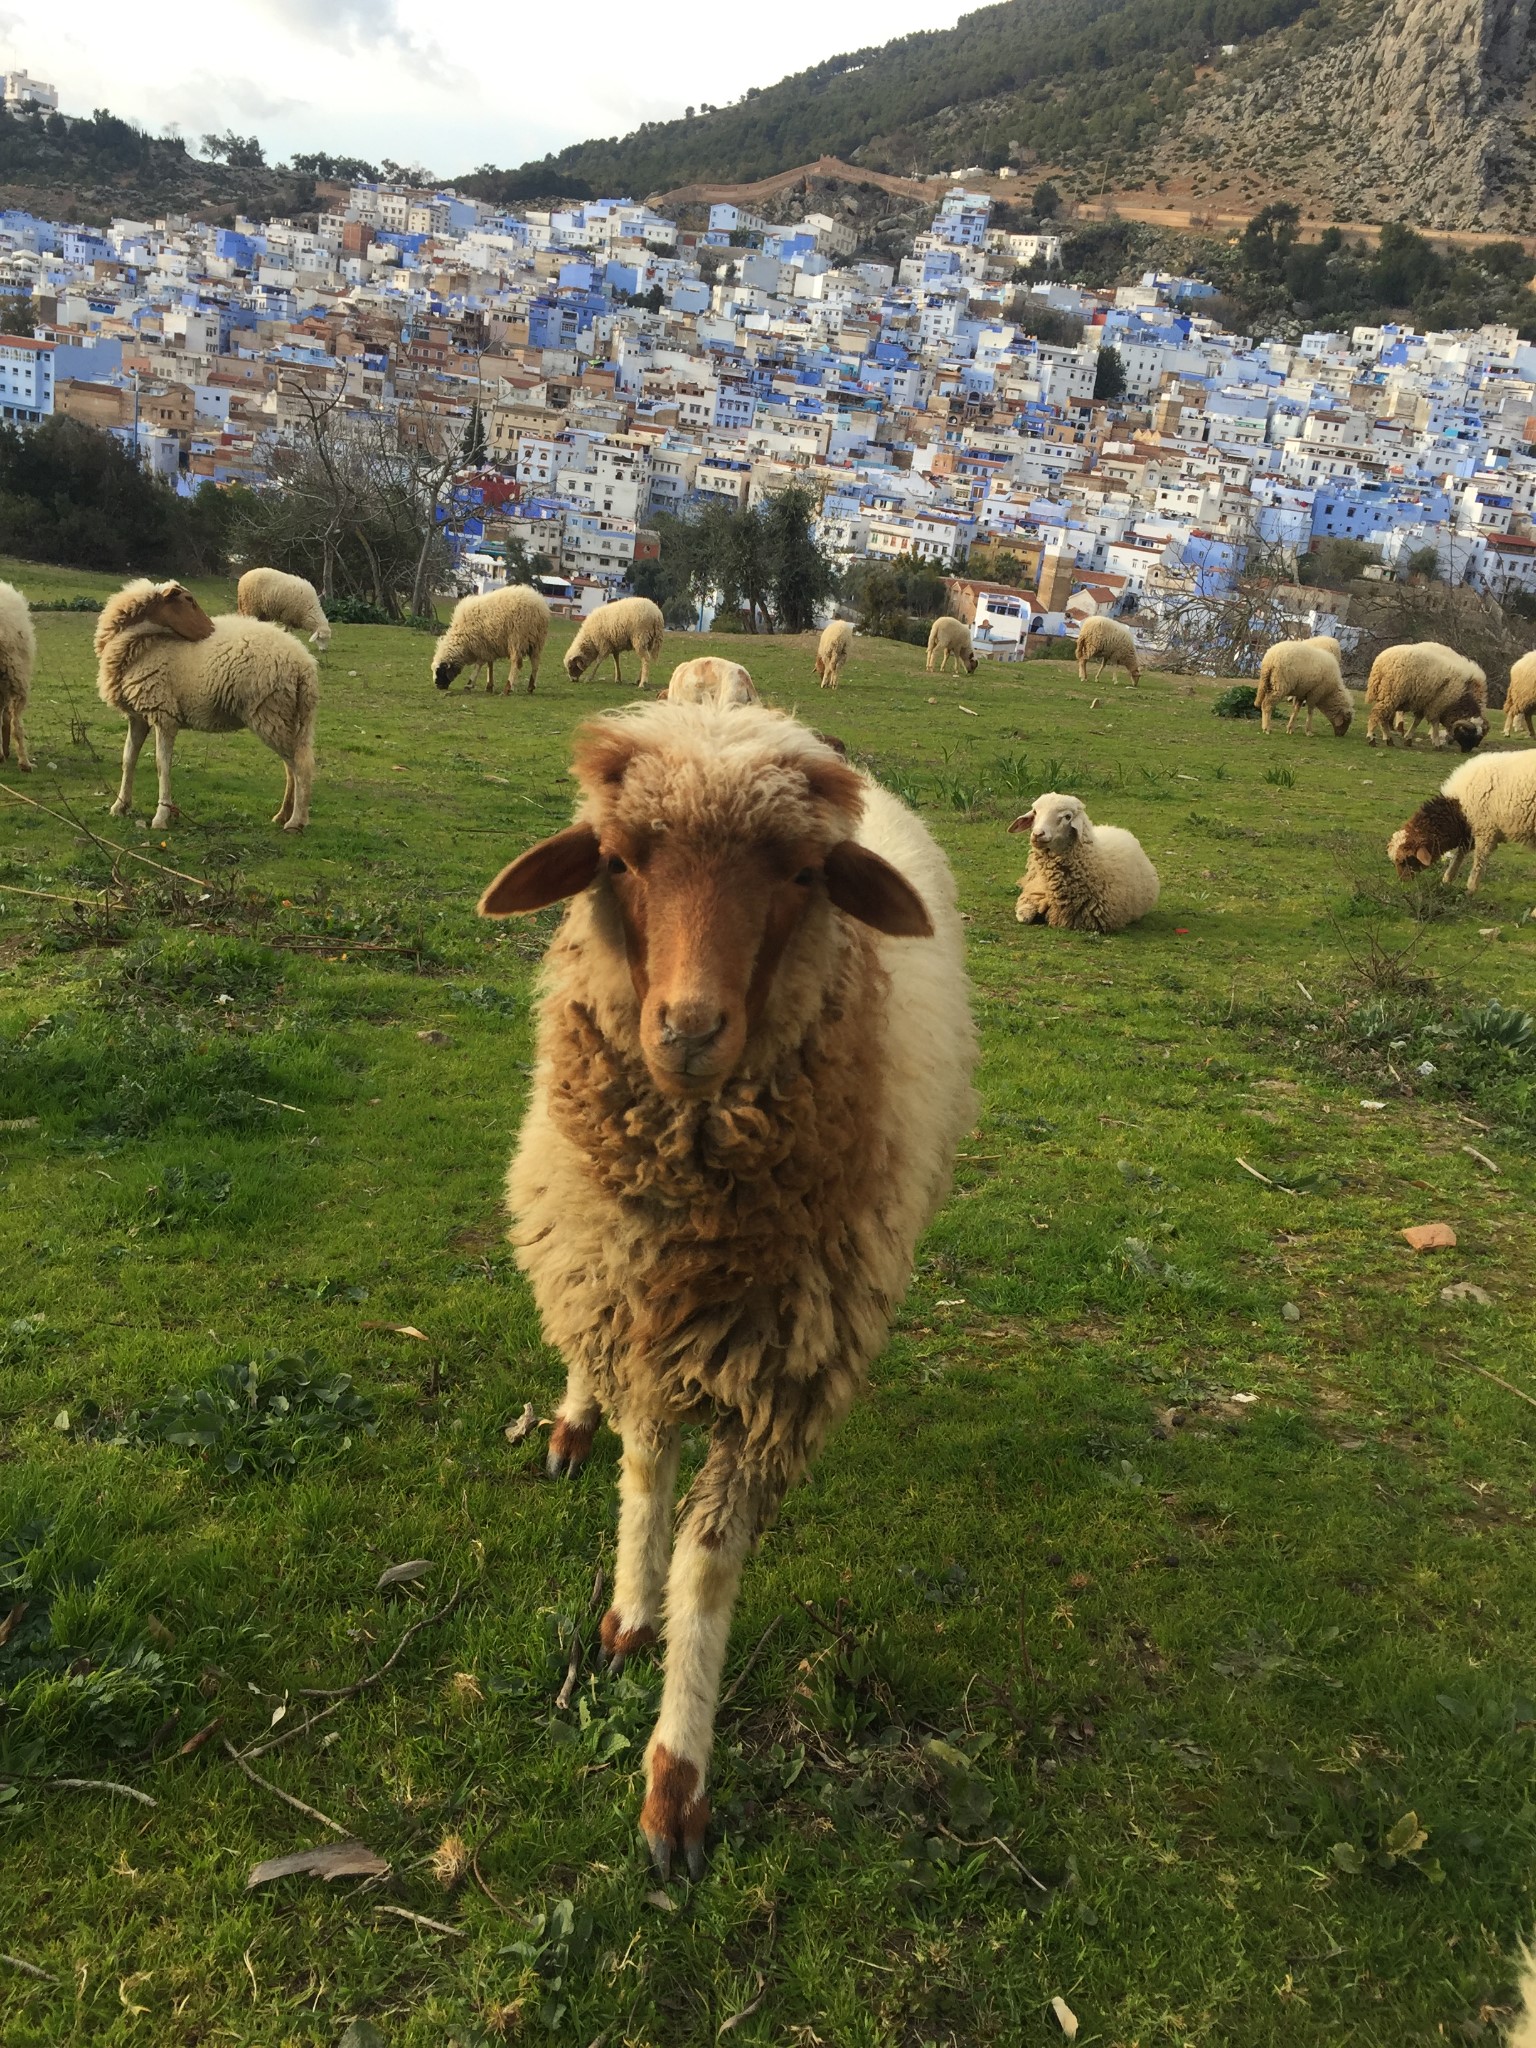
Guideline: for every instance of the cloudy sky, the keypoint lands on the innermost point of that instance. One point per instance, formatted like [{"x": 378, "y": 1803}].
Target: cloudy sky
[{"x": 450, "y": 87}]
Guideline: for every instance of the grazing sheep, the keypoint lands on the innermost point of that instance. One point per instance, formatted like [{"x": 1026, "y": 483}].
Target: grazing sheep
[
  {"x": 832, "y": 651},
  {"x": 711, "y": 680},
  {"x": 1423, "y": 679},
  {"x": 508, "y": 625},
  {"x": 165, "y": 664},
  {"x": 1112, "y": 644},
  {"x": 18, "y": 657},
  {"x": 754, "y": 1059},
  {"x": 630, "y": 624},
  {"x": 1480, "y": 803},
  {"x": 1306, "y": 671},
  {"x": 948, "y": 637},
  {"x": 1081, "y": 876},
  {"x": 1520, "y": 697},
  {"x": 284, "y": 601}
]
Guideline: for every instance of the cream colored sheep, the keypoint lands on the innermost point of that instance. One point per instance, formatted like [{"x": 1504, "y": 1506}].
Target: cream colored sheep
[
  {"x": 165, "y": 664},
  {"x": 1081, "y": 876},
  {"x": 948, "y": 637},
  {"x": 1306, "y": 671},
  {"x": 1111, "y": 644},
  {"x": 754, "y": 1065},
  {"x": 508, "y": 625},
  {"x": 18, "y": 658},
  {"x": 832, "y": 652},
  {"x": 1523, "y": 2033},
  {"x": 629, "y": 625},
  {"x": 709, "y": 679},
  {"x": 1480, "y": 804},
  {"x": 284, "y": 601},
  {"x": 1425, "y": 680},
  {"x": 1520, "y": 697}
]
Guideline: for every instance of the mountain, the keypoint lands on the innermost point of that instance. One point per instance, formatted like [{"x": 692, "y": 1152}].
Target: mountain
[
  {"x": 1361, "y": 109},
  {"x": 66, "y": 167}
]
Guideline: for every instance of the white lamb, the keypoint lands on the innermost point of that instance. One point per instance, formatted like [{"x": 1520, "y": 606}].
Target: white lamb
[
  {"x": 1306, "y": 671},
  {"x": 165, "y": 664},
  {"x": 629, "y": 625},
  {"x": 1081, "y": 876},
  {"x": 832, "y": 652},
  {"x": 508, "y": 625},
  {"x": 1480, "y": 803},
  {"x": 948, "y": 637},
  {"x": 18, "y": 657},
  {"x": 1111, "y": 644},
  {"x": 710, "y": 679},
  {"x": 1520, "y": 697},
  {"x": 284, "y": 600},
  {"x": 1426, "y": 680}
]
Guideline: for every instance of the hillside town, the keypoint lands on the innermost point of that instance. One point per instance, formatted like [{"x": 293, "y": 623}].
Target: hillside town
[{"x": 600, "y": 365}]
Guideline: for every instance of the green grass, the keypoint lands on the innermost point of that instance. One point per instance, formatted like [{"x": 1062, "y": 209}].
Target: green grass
[{"x": 1176, "y": 1555}]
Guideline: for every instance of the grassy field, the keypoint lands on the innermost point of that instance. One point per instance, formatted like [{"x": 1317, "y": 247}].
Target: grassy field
[{"x": 1180, "y": 1555}]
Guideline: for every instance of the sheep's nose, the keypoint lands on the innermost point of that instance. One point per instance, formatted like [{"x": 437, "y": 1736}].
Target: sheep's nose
[{"x": 694, "y": 1024}]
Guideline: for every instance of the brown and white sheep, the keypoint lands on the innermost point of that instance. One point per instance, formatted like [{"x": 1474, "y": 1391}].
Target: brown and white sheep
[
  {"x": 628, "y": 625},
  {"x": 832, "y": 652},
  {"x": 284, "y": 600},
  {"x": 709, "y": 679},
  {"x": 1110, "y": 644},
  {"x": 948, "y": 637},
  {"x": 1425, "y": 680},
  {"x": 753, "y": 1069},
  {"x": 18, "y": 658},
  {"x": 1520, "y": 697},
  {"x": 1479, "y": 805},
  {"x": 165, "y": 664},
  {"x": 1308, "y": 672},
  {"x": 509, "y": 625}
]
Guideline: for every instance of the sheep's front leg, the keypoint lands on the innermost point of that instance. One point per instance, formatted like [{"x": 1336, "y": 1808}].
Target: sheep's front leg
[
  {"x": 165, "y": 747},
  {"x": 645, "y": 671},
  {"x": 1482, "y": 853},
  {"x": 647, "y": 1483},
  {"x": 490, "y": 678},
  {"x": 1453, "y": 866},
  {"x": 1290, "y": 723},
  {"x": 138, "y": 733},
  {"x": 576, "y": 1420},
  {"x": 726, "y": 1507}
]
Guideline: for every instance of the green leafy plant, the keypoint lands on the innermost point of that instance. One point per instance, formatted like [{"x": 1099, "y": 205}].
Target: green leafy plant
[
  {"x": 1397, "y": 1848},
  {"x": 254, "y": 1417},
  {"x": 1280, "y": 778},
  {"x": 1240, "y": 701},
  {"x": 1500, "y": 1028}
]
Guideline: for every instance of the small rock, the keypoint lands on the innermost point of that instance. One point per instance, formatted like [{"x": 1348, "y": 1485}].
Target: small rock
[
  {"x": 1429, "y": 1237},
  {"x": 1466, "y": 1290},
  {"x": 1290, "y": 1311},
  {"x": 1489, "y": 931},
  {"x": 434, "y": 1038},
  {"x": 1426, "y": 1068},
  {"x": 1368, "y": 1104}
]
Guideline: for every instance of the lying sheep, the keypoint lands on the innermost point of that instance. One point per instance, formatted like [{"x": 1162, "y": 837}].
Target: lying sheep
[
  {"x": 754, "y": 1066},
  {"x": 1112, "y": 644},
  {"x": 1479, "y": 804},
  {"x": 509, "y": 625},
  {"x": 1081, "y": 876},
  {"x": 165, "y": 664},
  {"x": 832, "y": 652},
  {"x": 18, "y": 658},
  {"x": 1520, "y": 697},
  {"x": 948, "y": 637},
  {"x": 711, "y": 680},
  {"x": 284, "y": 601},
  {"x": 629, "y": 625},
  {"x": 1425, "y": 680},
  {"x": 1306, "y": 671}
]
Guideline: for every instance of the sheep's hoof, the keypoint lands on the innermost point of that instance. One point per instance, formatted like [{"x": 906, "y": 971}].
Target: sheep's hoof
[
  {"x": 569, "y": 1446},
  {"x": 621, "y": 1643},
  {"x": 675, "y": 1814},
  {"x": 164, "y": 817},
  {"x": 120, "y": 809},
  {"x": 296, "y": 825}
]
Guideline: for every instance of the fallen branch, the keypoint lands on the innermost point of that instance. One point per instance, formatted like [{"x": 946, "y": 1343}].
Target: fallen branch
[
  {"x": 573, "y": 1668},
  {"x": 105, "y": 1785},
  {"x": 746, "y": 1670},
  {"x": 309, "y": 1812},
  {"x": 27, "y": 1969},
  {"x": 1481, "y": 1157},
  {"x": 288, "y": 1734},
  {"x": 421, "y": 1920},
  {"x": 996, "y": 1842},
  {"x": 1508, "y": 1385},
  {"x": 1276, "y": 1185},
  {"x": 52, "y": 895},
  {"x": 347, "y": 1692},
  {"x": 107, "y": 845},
  {"x": 500, "y": 1904}
]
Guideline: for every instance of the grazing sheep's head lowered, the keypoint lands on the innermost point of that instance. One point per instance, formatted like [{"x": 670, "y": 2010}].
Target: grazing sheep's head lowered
[
  {"x": 1438, "y": 827},
  {"x": 443, "y": 672},
  {"x": 712, "y": 841},
  {"x": 1341, "y": 721},
  {"x": 166, "y": 607},
  {"x": 1055, "y": 824},
  {"x": 1466, "y": 722}
]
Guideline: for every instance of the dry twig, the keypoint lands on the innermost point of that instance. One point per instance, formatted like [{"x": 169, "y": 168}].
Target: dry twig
[
  {"x": 1508, "y": 1385},
  {"x": 421, "y": 1920},
  {"x": 105, "y": 1785},
  {"x": 746, "y": 1670},
  {"x": 309, "y": 1812},
  {"x": 347, "y": 1692},
  {"x": 107, "y": 845},
  {"x": 27, "y": 1969}
]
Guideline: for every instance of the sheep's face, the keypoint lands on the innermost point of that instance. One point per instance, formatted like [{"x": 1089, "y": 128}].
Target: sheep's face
[
  {"x": 970, "y": 663},
  {"x": 577, "y": 664},
  {"x": 443, "y": 672},
  {"x": 1341, "y": 722},
  {"x": 1468, "y": 733},
  {"x": 174, "y": 608},
  {"x": 1406, "y": 854},
  {"x": 1055, "y": 825}
]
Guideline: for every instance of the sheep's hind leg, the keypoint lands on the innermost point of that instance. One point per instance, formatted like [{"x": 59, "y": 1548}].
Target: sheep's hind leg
[
  {"x": 284, "y": 810},
  {"x": 726, "y": 1507},
  {"x": 165, "y": 748},
  {"x": 23, "y": 758},
  {"x": 138, "y": 733},
  {"x": 576, "y": 1420},
  {"x": 301, "y": 776},
  {"x": 647, "y": 1483}
]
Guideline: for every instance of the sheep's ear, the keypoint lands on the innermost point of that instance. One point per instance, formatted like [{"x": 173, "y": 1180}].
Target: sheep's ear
[
  {"x": 545, "y": 874},
  {"x": 834, "y": 782},
  {"x": 1423, "y": 856},
  {"x": 870, "y": 889},
  {"x": 175, "y": 608},
  {"x": 1024, "y": 824}
]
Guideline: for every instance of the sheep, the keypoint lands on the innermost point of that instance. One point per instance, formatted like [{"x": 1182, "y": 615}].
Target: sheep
[
  {"x": 1306, "y": 671},
  {"x": 832, "y": 651},
  {"x": 1423, "y": 679},
  {"x": 18, "y": 657},
  {"x": 712, "y": 680},
  {"x": 630, "y": 624},
  {"x": 285, "y": 601},
  {"x": 1081, "y": 876},
  {"x": 1113, "y": 644},
  {"x": 1523, "y": 2033},
  {"x": 1479, "y": 804},
  {"x": 508, "y": 625},
  {"x": 948, "y": 637},
  {"x": 1520, "y": 697},
  {"x": 754, "y": 1063},
  {"x": 165, "y": 664}
]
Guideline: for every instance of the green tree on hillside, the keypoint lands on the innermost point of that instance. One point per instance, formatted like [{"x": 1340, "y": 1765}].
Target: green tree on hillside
[{"x": 1109, "y": 377}]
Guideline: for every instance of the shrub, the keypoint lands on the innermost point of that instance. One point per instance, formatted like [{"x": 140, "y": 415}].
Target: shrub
[{"x": 1238, "y": 702}]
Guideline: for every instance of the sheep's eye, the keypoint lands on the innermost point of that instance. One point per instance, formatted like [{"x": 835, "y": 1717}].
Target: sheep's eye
[
  {"x": 805, "y": 877},
  {"x": 616, "y": 866}
]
